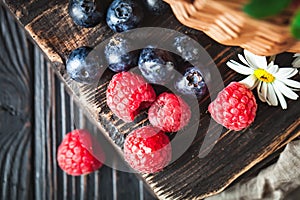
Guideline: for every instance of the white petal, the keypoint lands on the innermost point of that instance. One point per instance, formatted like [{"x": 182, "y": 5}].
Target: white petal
[
  {"x": 272, "y": 99},
  {"x": 239, "y": 68},
  {"x": 264, "y": 91},
  {"x": 273, "y": 69},
  {"x": 259, "y": 92},
  {"x": 280, "y": 97},
  {"x": 255, "y": 61},
  {"x": 243, "y": 59},
  {"x": 296, "y": 62},
  {"x": 250, "y": 81},
  {"x": 296, "y": 54},
  {"x": 286, "y": 91},
  {"x": 286, "y": 72},
  {"x": 291, "y": 83}
]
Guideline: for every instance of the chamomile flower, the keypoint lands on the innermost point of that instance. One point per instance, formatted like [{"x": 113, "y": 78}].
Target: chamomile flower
[
  {"x": 296, "y": 62},
  {"x": 272, "y": 82}
]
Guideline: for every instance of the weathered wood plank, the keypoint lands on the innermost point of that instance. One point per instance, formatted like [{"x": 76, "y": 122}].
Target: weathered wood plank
[
  {"x": 233, "y": 154},
  {"x": 55, "y": 115},
  {"x": 35, "y": 113},
  {"x": 16, "y": 116}
]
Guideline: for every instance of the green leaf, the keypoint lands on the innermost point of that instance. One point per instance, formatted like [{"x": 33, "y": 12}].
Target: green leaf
[
  {"x": 295, "y": 25},
  {"x": 265, "y": 8}
]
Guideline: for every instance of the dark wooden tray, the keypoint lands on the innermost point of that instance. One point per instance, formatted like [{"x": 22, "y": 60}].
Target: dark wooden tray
[{"x": 190, "y": 176}]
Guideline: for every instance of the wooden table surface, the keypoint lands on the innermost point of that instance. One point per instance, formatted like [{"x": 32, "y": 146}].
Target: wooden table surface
[
  {"x": 35, "y": 113},
  {"x": 234, "y": 153}
]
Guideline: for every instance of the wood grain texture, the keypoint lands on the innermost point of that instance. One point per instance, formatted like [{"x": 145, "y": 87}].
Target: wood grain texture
[
  {"x": 234, "y": 152},
  {"x": 35, "y": 113},
  {"x": 60, "y": 114},
  {"x": 16, "y": 115}
]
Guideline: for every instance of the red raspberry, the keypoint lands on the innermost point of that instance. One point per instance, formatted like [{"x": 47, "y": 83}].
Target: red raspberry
[
  {"x": 127, "y": 93},
  {"x": 147, "y": 149},
  {"x": 73, "y": 154},
  {"x": 235, "y": 107},
  {"x": 169, "y": 113}
]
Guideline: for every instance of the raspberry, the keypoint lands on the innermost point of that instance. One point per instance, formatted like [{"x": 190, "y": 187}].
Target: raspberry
[
  {"x": 147, "y": 149},
  {"x": 169, "y": 113},
  {"x": 235, "y": 107},
  {"x": 73, "y": 154},
  {"x": 127, "y": 93}
]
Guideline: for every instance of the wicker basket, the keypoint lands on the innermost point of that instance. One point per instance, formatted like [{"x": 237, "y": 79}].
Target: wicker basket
[{"x": 225, "y": 22}]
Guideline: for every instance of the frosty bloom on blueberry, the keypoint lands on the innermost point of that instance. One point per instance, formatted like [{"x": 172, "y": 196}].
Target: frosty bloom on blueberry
[
  {"x": 156, "y": 65},
  {"x": 184, "y": 46},
  {"x": 127, "y": 93},
  {"x": 192, "y": 83},
  {"x": 147, "y": 150},
  {"x": 86, "y": 13},
  {"x": 118, "y": 55},
  {"x": 79, "y": 69},
  {"x": 157, "y": 7},
  {"x": 123, "y": 15}
]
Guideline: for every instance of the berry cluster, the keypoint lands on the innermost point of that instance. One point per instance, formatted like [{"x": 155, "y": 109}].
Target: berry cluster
[
  {"x": 121, "y": 15},
  {"x": 146, "y": 149},
  {"x": 234, "y": 108}
]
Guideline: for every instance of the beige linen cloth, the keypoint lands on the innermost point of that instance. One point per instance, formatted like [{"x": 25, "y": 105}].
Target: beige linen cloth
[{"x": 278, "y": 181}]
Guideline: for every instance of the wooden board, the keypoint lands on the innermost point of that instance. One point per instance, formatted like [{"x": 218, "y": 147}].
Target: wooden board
[
  {"x": 35, "y": 113},
  {"x": 188, "y": 177}
]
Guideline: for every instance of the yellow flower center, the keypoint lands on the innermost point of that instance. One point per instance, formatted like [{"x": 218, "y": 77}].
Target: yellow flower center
[{"x": 264, "y": 76}]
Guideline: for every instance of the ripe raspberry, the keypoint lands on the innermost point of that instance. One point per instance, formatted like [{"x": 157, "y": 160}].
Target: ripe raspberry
[
  {"x": 147, "y": 149},
  {"x": 127, "y": 93},
  {"x": 73, "y": 154},
  {"x": 235, "y": 107},
  {"x": 169, "y": 113}
]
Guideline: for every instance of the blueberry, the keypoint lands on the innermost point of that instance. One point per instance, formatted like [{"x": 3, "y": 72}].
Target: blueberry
[
  {"x": 80, "y": 69},
  {"x": 86, "y": 13},
  {"x": 192, "y": 83},
  {"x": 156, "y": 65},
  {"x": 186, "y": 48},
  {"x": 118, "y": 54},
  {"x": 157, "y": 7},
  {"x": 123, "y": 15}
]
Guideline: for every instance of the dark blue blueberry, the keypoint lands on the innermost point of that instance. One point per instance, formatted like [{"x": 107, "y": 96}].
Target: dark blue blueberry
[
  {"x": 123, "y": 15},
  {"x": 185, "y": 46},
  {"x": 156, "y": 65},
  {"x": 86, "y": 13},
  {"x": 80, "y": 69},
  {"x": 118, "y": 54},
  {"x": 157, "y": 7},
  {"x": 192, "y": 83}
]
